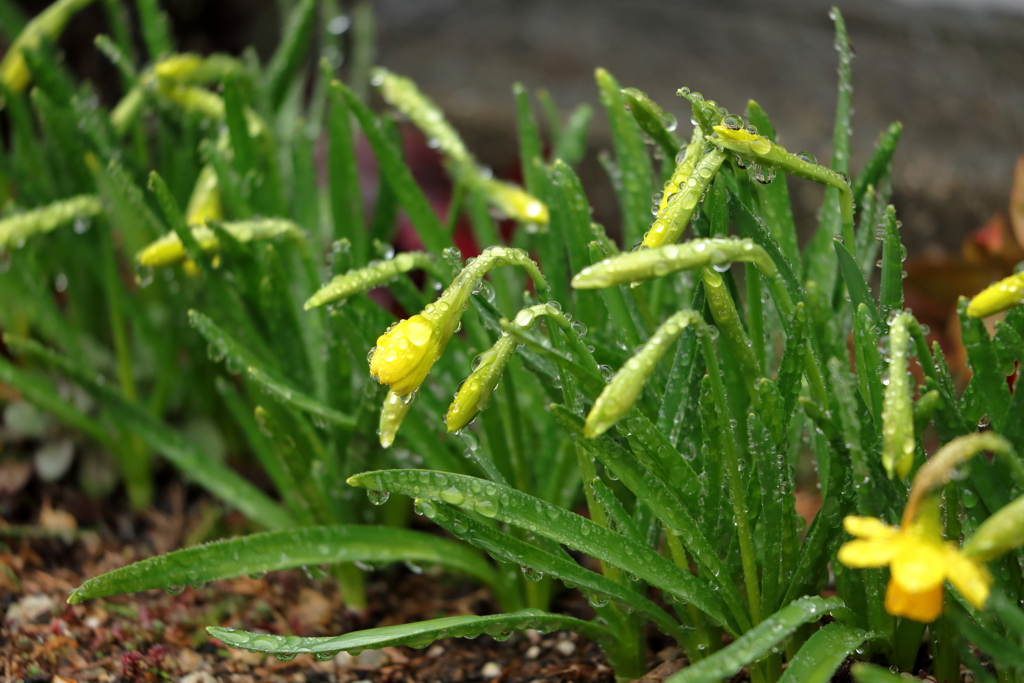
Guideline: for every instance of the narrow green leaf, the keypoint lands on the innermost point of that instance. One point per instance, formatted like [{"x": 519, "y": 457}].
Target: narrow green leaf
[
  {"x": 878, "y": 163},
  {"x": 514, "y": 507},
  {"x": 234, "y": 115},
  {"x": 855, "y": 283},
  {"x": 343, "y": 177},
  {"x": 820, "y": 657},
  {"x": 821, "y": 542},
  {"x": 871, "y": 673},
  {"x": 571, "y": 144},
  {"x": 279, "y": 550},
  {"x": 399, "y": 177},
  {"x": 419, "y": 634},
  {"x": 773, "y": 198},
  {"x": 506, "y": 548},
  {"x": 633, "y": 161},
  {"x": 156, "y": 29},
  {"x": 205, "y": 470},
  {"x": 989, "y": 380},
  {"x": 869, "y": 360},
  {"x": 658, "y": 124},
  {"x": 284, "y": 66},
  {"x": 758, "y": 641},
  {"x": 893, "y": 253},
  {"x": 818, "y": 261},
  {"x": 992, "y": 644}
]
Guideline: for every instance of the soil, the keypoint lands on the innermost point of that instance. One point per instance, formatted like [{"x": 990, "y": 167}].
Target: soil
[{"x": 155, "y": 636}]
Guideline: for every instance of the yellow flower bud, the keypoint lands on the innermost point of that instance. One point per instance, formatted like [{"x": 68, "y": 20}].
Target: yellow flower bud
[
  {"x": 1006, "y": 293},
  {"x": 405, "y": 354}
]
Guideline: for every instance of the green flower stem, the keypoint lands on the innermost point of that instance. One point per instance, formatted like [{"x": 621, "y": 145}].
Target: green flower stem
[
  {"x": 682, "y": 201},
  {"x": 736, "y": 492}
]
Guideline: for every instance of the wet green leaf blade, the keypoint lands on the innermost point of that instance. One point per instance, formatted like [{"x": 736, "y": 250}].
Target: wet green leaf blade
[{"x": 278, "y": 550}]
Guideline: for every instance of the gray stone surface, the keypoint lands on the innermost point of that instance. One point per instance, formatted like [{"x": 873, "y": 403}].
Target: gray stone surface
[{"x": 954, "y": 75}]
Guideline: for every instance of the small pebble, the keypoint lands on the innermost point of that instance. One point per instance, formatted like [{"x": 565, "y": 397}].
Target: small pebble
[
  {"x": 490, "y": 670},
  {"x": 371, "y": 659},
  {"x": 435, "y": 650},
  {"x": 566, "y": 647},
  {"x": 533, "y": 652}
]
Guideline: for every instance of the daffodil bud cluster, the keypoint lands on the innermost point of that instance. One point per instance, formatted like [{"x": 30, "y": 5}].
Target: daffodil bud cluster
[
  {"x": 508, "y": 198},
  {"x": 406, "y": 352}
]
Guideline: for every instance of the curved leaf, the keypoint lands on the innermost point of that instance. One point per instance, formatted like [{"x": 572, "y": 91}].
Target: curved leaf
[
  {"x": 506, "y": 548},
  {"x": 273, "y": 551},
  {"x": 758, "y": 641},
  {"x": 820, "y": 656},
  {"x": 496, "y": 501},
  {"x": 418, "y": 635}
]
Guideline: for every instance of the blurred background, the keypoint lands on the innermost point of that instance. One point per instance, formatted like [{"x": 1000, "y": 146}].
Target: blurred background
[{"x": 951, "y": 70}]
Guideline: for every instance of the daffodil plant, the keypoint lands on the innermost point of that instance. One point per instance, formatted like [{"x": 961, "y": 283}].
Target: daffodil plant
[{"x": 649, "y": 409}]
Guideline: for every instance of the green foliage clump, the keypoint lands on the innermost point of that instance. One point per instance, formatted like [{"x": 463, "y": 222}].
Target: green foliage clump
[{"x": 671, "y": 390}]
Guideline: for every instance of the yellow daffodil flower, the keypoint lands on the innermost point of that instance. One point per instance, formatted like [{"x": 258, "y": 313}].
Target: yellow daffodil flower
[
  {"x": 919, "y": 561},
  {"x": 405, "y": 354}
]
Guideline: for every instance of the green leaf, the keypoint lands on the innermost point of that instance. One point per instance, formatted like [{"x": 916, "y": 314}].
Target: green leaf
[
  {"x": 869, "y": 360},
  {"x": 343, "y": 176},
  {"x": 287, "y": 60},
  {"x": 820, "y": 656},
  {"x": 821, "y": 542},
  {"x": 506, "y": 548},
  {"x": 658, "y": 124},
  {"x": 878, "y": 163},
  {"x": 872, "y": 673},
  {"x": 893, "y": 253},
  {"x": 989, "y": 380},
  {"x": 773, "y": 198},
  {"x": 278, "y": 550},
  {"x": 646, "y": 481},
  {"x": 855, "y": 283},
  {"x": 818, "y": 262},
  {"x": 399, "y": 177},
  {"x": 156, "y": 29},
  {"x": 992, "y": 644},
  {"x": 297, "y": 399},
  {"x": 633, "y": 161},
  {"x": 417, "y": 635},
  {"x": 514, "y": 507},
  {"x": 758, "y": 641},
  {"x": 202, "y": 468},
  {"x": 571, "y": 144}
]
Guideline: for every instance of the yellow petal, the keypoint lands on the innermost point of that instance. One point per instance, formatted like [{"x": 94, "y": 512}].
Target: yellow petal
[
  {"x": 868, "y": 527},
  {"x": 918, "y": 565},
  {"x": 970, "y": 578},
  {"x": 924, "y": 607},
  {"x": 404, "y": 355},
  {"x": 860, "y": 554}
]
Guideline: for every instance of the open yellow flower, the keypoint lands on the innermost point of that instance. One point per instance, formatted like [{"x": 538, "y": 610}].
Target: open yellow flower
[
  {"x": 919, "y": 562},
  {"x": 405, "y": 354}
]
